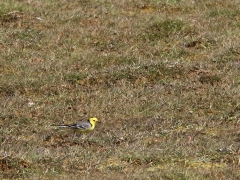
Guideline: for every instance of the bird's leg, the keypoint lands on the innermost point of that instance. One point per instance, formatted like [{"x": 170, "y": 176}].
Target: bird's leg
[{"x": 74, "y": 135}]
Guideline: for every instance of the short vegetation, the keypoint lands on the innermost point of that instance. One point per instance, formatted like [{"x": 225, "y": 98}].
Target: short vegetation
[{"x": 161, "y": 76}]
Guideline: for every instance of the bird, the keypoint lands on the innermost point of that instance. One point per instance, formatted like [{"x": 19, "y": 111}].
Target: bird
[{"x": 80, "y": 127}]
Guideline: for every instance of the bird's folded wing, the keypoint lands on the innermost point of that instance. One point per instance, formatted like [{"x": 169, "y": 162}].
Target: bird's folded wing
[{"x": 80, "y": 125}]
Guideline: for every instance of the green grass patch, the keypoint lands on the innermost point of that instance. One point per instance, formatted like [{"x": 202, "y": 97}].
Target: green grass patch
[
  {"x": 165, "y": 29},
  {"x": 8, "y": 7}
]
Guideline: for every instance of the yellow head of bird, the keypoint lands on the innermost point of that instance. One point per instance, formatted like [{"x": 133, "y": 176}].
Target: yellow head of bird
[{"x": 93, "y": 120}]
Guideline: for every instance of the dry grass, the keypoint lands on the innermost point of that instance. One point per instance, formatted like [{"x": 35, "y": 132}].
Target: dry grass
[{"x": 162, "y": 76}]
